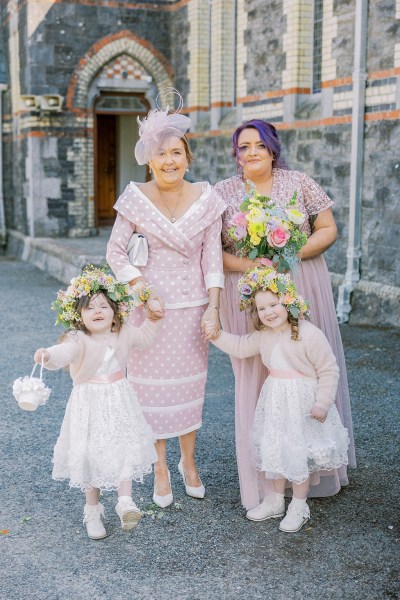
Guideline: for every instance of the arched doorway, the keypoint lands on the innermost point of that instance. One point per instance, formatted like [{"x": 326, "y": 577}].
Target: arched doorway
[
  {"x": 116, "y": 133},
  {"x": 121, "y": 65}
]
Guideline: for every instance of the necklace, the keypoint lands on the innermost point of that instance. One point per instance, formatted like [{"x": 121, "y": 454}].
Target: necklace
[{"x": 172, "y": 217}]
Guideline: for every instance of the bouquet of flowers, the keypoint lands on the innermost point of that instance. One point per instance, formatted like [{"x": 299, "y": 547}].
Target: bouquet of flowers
[{"x": 263, "y": 229}]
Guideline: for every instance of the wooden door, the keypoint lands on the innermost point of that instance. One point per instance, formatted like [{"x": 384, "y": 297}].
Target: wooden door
[{"x": 106, "y": 167}]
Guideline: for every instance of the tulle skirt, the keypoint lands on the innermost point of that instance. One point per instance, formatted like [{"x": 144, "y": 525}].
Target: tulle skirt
[
  {"x": 287, "y": 442},
  {"x": 104, "y": 438},
  {"x": 314, "y": 283}
]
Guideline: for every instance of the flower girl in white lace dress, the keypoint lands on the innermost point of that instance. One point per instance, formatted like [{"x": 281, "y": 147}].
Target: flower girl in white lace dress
[
  {"x": 105, "y": 441},
  {"x": 297, "y": 431}
]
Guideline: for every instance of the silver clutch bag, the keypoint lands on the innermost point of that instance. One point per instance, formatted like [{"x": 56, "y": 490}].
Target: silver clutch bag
[{"x": 138, "y": 250}]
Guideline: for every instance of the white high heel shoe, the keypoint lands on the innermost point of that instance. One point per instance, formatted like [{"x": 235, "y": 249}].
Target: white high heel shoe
[
  {"x": 163, "y": 501},
  {"x": 194, "y": 492}
]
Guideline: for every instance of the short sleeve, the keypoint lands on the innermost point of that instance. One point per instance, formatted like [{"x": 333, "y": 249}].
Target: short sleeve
[{"x": 315, "y": 199}]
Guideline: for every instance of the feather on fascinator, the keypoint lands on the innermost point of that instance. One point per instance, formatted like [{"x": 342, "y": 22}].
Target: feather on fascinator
[{"x": 157, "y": 124}]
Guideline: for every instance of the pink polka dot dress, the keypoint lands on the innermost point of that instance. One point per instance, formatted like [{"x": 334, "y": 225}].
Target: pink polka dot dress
[{"x": 185, "y": 260}]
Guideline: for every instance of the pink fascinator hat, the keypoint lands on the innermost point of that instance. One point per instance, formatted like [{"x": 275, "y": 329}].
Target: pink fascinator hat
[{"x": 158, "y": 124}]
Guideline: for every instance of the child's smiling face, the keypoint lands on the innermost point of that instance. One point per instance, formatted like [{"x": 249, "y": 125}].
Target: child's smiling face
[
  {"x": 98, "y": 315},
  {"x": 271, "y": 312}
]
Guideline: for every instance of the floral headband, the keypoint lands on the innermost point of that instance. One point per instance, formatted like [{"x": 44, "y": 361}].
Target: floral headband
[
  {"x": 269, "y": 280},
  {"x": 159, "y": 123},
  {"x": 94, "y": 280}
]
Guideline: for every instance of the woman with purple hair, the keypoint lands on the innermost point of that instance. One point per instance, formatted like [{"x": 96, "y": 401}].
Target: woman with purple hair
[{"x": 257, "y": 151}]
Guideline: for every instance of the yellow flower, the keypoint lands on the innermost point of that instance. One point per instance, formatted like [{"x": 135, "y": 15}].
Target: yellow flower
[
  {"x": 274, "y": 288},
  {"x": 256, "y": 229},
  {"x": 255, "y": 240}
]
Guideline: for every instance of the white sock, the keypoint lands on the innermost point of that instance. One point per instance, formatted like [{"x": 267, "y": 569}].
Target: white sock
[
  {"x": 299, "y": 502},
  {"x": 124, "y": 499},
  {"x": 280, "y": 497}
]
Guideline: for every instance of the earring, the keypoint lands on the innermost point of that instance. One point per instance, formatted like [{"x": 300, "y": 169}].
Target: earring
[
  {"x": 150, "y": 171},
  {"x": 187, "y": 170}
]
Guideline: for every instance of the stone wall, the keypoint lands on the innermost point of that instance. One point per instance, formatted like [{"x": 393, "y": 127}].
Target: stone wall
[
  {"x": 263, "y": 38},
  {"x": 381, "y": 204},
  {"x": 68, "y": 31},
  {"x": 48, "y": 157},
  {"x": 266, "y": 73}
]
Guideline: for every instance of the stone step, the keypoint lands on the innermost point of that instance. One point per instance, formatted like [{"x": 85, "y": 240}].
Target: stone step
[{"x": 62, "y": 258}]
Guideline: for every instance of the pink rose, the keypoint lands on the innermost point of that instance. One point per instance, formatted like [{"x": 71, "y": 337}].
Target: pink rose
[
  {"x": 266, "y": 262},
  {"x": 239, "y": 219},
  {"x": 278, "y": 237}
]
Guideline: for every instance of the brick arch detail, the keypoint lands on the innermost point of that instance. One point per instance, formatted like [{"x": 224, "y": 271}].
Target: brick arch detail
[{"x": 105, "y": 50}]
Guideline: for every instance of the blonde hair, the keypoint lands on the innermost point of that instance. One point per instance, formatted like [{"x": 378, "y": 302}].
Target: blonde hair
[
  {"x": 189, "y": 154},
  {"x": 165, "y": 135}
]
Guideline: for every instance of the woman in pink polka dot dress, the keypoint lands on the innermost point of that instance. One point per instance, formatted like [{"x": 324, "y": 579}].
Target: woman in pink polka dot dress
[{"x": 182, "y": 224}]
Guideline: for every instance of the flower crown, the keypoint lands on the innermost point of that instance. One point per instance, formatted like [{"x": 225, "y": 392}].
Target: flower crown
[
  {"x": 269, "y": 280},
  {"x": 93, "y": 280}
]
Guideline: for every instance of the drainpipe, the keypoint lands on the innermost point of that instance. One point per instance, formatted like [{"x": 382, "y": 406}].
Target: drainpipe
[
  {"x": 352, "y": 275},
  {"x": 3, "y": 230}
]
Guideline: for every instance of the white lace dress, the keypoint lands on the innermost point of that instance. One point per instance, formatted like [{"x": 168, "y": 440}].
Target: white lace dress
[
  {"x": 104, "y": 437},
  {"x": 288, "y": 443}
]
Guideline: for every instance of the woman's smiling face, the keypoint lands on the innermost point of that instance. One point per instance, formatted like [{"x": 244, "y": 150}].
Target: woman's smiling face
[
  {"x": 253, "y": 155},
  {"x": 170, "y": 162}
]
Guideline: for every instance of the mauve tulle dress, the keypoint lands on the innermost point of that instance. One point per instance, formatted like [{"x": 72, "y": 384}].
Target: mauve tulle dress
[{"x": 313, "y": 281}]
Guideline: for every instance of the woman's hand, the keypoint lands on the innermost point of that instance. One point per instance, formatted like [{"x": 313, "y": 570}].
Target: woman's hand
[
  {"x": 40, "y": 355},
  {"x": 318, "y": 413},
  {"x": 210, "y": 324},
  {"x": 240, "y": 264}
]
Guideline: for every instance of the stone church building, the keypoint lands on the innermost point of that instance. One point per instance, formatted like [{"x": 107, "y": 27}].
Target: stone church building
[{"x": 75, "y": 75}]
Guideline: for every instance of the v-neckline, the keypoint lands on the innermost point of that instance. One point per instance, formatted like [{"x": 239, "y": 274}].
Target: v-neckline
[{"x": 152, "y": 205}]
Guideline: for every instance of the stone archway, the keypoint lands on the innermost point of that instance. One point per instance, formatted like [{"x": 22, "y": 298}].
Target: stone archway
[{"x": 78, "y": 102}]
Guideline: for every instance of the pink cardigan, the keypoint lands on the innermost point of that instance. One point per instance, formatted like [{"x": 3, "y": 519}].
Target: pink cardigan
[
  {"x": 85, "y": 353},
  {"x": 312, "y": 355}
]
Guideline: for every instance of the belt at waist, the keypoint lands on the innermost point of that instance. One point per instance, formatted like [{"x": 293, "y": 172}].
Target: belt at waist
[
  {"x": 107, "y": 378},
  {"x": 285, "y": 374}
]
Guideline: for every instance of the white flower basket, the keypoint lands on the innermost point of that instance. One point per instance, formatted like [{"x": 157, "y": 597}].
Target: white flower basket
[{"x": 31, "y": 392}]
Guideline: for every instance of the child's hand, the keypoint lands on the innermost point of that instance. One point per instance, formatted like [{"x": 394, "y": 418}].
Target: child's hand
[
  {"x": 40, "y": 355},
  {"x": 155, "y": 307},
  {"x": 210, "y": 324},
  {"x": 318, "y": 413}
]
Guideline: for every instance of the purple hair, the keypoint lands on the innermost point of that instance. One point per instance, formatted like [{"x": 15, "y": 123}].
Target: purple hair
[{"x": 269, "y": 137}]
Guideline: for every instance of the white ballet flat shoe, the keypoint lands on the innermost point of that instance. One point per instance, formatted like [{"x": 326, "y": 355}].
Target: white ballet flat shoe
[
  {"x": 295, "y": 518},
  {"x": 268, "y": 509},
  {"x": 163, "y": 501},
  {"x": 92, "y": 519},
  {"x": 194, "y": 492},
  {"x": 128, "y": 513}
]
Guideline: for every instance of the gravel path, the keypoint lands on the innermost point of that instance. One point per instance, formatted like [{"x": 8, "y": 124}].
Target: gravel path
[{"x": 196, "y": 549}]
